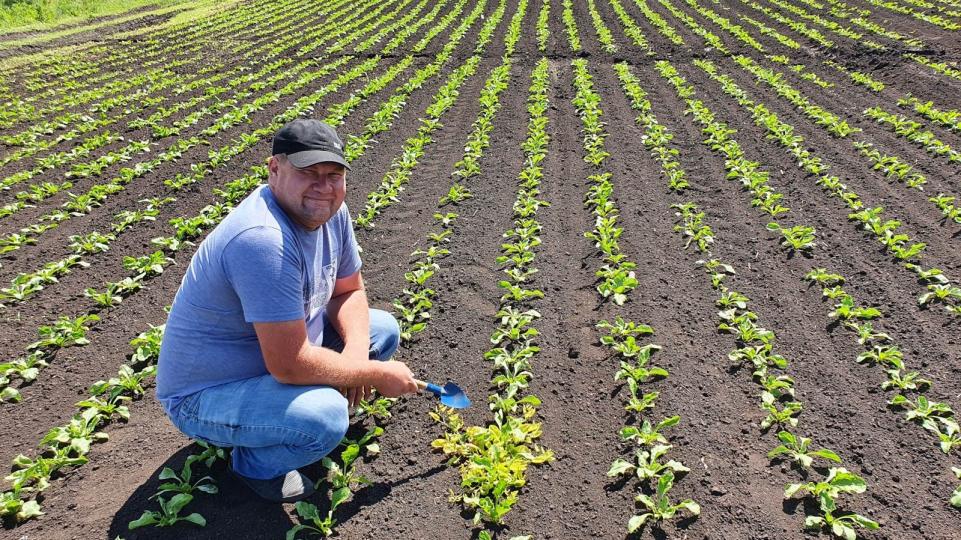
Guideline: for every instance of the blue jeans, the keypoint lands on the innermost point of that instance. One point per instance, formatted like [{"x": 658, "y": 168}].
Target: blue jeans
[{"x": 275, "y": 428}]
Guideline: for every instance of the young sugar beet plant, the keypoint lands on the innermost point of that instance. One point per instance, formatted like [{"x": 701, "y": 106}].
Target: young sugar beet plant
[
  {"x": 493, "y": 459},
  {"x": 64, "y": 332},
  {"x": 617, "y": 274},
  {"x": 880, "y": 350},
  {"x": 755, "y": 347},
  {"x": 179, "y": 489},
  {"x": 649, "y": 464}
]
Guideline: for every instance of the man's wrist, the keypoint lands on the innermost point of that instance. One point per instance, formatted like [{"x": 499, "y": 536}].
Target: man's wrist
[{"x": 373, "y": 373}]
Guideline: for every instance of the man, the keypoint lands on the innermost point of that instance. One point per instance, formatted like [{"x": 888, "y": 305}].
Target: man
[{"x": 270, "y": 338}]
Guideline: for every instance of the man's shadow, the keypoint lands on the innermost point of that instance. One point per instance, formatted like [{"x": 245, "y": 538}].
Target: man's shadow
[{"x": 233, "y": 512}]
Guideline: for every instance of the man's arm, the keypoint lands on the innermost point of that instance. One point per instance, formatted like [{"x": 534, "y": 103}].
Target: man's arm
[{"x": 292, "y": 359}]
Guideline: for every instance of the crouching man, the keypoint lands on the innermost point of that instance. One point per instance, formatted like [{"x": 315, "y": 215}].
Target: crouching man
[{"x": 270, "y": 338}]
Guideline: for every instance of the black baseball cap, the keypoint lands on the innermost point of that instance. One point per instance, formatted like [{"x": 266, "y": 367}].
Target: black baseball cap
[{"x": 309, "y": 141}]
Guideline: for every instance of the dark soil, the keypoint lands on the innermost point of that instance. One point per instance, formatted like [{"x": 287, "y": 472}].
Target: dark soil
[{"x": 739, "y": 489}]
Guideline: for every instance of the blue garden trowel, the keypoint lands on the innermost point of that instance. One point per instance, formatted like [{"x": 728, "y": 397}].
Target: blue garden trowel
[{"x": 450, "y": 394}]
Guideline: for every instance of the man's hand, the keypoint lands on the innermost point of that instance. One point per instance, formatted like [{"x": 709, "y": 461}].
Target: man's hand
[{"x": 395, "y": 379}]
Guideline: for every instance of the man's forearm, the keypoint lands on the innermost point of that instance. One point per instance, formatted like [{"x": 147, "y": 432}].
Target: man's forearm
[
  {"x": 318, "y": 365},
  {"x": 349, "y": 313}
]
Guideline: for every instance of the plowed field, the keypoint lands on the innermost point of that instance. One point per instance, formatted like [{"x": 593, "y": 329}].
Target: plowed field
[{"x": 769, "y": 185}]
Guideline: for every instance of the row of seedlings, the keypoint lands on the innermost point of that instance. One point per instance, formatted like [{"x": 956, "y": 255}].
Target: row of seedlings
[
  {"x": 570, "y": 25},
  {"x": 543, "y": 28},
  {"x": 414, "y": 305},
  {"x": 493, "y": 459},
  {"x": 636, "y": 368},
  {"x": 342, "y": 476},
  {"x": 603, "y": 32},
  {"x": 881, "y": 350},
  {"x": 650, "y": 462},
  {"x": 811, "y": 34}
]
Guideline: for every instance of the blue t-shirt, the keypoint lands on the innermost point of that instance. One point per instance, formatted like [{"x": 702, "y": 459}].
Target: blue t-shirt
[{"x": 256, "y": 266}]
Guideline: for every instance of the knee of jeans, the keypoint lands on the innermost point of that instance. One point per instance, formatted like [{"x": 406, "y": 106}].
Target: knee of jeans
[
  {"x": 324, "y": 420},
  {"x": 384, "y": 334}
]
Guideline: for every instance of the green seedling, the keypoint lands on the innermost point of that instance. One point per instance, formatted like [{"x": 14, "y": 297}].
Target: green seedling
[
  {"x": 169, "y": 514},
  {"x": 826, "y": 492},
  {"x": 798, "y": 448},
  {"x": 647, "y": 464},
  {"x": 183, "y": 482},
  {"x": 649, "y": 434},
  {"x": 12, "y": 505},
  {"x": 659, "y": 507},
  {"x": 798, "y": 238},
  {"x": 79, "y": 434},
  {"x": 783, "y": 416}
]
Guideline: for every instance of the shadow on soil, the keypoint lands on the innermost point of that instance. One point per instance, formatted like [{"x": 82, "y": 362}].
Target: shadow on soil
[{"x": 235, "y": 512}]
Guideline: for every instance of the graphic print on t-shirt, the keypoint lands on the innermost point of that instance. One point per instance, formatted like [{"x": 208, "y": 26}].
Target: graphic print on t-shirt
[{"x": 318, "y": 293}]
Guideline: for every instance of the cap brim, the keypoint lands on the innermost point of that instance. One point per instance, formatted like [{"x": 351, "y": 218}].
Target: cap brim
[{"x": 312, "y": 157}]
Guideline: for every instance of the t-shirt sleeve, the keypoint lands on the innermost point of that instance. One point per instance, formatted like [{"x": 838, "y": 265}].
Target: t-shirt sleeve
[
  {"x": 265, "y": 271},
  {"x": 349, "y": 262}
]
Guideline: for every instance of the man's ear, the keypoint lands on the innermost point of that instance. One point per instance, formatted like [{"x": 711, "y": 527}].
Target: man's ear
[{"x": 273, "y": 164}]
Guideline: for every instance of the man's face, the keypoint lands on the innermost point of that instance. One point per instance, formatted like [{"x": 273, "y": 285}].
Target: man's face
[{"x": 310, "y": 196}]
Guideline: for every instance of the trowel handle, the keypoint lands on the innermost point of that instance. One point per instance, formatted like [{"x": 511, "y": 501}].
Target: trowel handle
[{"x": 430, "y": 387}]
